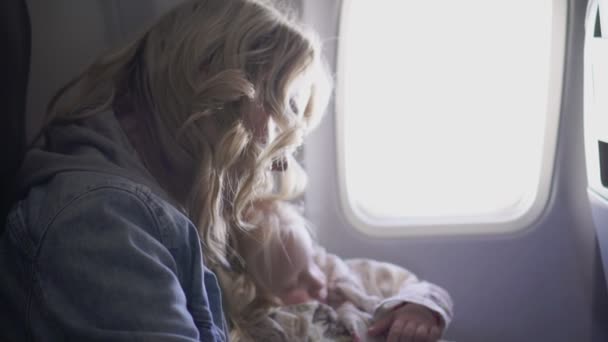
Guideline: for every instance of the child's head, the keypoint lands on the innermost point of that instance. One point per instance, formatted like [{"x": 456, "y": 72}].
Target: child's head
[{"x": 279, "y": 254}]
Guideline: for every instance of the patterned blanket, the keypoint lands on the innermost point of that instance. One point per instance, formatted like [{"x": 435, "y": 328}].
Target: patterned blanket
[
  {"x": 311, "y": 322},
  {"x": 319, "y": 323}
]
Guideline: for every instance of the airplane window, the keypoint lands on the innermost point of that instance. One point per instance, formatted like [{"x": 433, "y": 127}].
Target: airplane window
[{"x": 442, "y": 107}]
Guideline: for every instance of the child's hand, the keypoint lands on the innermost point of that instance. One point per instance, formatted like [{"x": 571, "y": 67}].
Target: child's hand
[{"x": 410, "y": 322}]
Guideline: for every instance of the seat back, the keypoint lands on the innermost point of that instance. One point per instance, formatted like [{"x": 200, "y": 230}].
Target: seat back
[{"x": 15, "y": 40}]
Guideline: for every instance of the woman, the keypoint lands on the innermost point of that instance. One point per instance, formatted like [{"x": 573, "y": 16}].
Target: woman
[{"x": 153, "y": 147}]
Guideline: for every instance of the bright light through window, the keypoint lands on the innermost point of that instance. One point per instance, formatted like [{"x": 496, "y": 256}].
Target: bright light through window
[{"x": 443, "y": 105}]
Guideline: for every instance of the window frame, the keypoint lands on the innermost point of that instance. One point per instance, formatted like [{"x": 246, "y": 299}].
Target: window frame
[{"x": 514, "y": 221}]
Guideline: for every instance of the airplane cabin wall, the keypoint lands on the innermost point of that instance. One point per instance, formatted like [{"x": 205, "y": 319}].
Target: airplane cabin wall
[{"x": 543, "y": 283}]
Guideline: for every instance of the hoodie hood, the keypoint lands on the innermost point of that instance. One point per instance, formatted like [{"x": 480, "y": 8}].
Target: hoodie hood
[{"x": 96, "y": 144}]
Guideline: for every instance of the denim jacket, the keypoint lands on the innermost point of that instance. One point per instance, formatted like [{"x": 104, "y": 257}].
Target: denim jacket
[{"x": 95, "y": 251}]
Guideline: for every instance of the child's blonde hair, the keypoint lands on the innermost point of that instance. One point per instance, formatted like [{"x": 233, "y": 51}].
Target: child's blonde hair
[
  {"x": 276, "y": 222},
  {"x": 209, "y": 60},
  {"x": 248, "y": 302}
]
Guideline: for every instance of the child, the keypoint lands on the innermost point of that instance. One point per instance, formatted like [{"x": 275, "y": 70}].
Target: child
[{"x": 288, "y": 268}]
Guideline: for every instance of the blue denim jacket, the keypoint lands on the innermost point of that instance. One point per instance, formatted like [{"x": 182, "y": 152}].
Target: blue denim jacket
[{"x": 96, "y": 252}]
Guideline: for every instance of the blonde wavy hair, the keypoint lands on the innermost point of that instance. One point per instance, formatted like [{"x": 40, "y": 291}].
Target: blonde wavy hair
[
  {"x": 248, "y": 301},
  {"x": 208, "y": 62}
]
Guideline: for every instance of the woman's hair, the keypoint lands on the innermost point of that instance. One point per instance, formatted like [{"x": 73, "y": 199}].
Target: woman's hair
[
  {"x": 209, "y": 61},
  {"x": 247, "y": 298}
]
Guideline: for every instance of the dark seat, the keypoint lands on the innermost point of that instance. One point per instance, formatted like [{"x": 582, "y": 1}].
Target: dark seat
[{"x": 15, "y": 43}]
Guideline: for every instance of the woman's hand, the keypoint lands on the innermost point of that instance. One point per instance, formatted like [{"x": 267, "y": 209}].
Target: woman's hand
[{"x": 408, "y": 323}]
